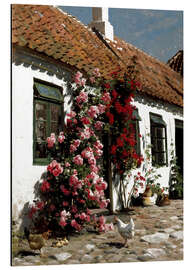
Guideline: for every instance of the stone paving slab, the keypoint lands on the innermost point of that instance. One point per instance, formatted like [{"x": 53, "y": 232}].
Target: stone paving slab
[{"x": 158, "y": 237}]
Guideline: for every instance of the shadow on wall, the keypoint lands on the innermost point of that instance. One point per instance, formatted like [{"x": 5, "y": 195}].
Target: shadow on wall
[{"x": 26, "y": 221}]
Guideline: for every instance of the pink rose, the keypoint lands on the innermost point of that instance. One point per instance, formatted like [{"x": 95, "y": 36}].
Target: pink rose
[
  {"x": 83, "y": 82},
  {"x": 57, "y": 170},
  {"x": 40, "y": 205},
  {"x": 94, "y": 168},
  {"x": 65, "y": 215},
  {"x": 101, "y": 108},
  {"x": 61, "y": 138},
  {"x": 73, "y": 180},
  {"x": 63, "y": 221},
  {"x": 79, "y": 80},
  {"x": 98, "y": 153},
  {"x": 67, "y": 164},
  {"x": 45, "y": 186},
  {"x": 82, "y": 97},
  {"x": 78, "y": 160},
  {"x": 92, "y": 79},
  {"x": 83, "y": 216},
  {"x": 92, "y": 160},
  {"x": 98, "y": 125},
  {"x": 75, "y": 225},
  {"x": 106, "y": 97},
  {"x": 76, "y": 143},
  {"x": 72, "y": 148},
  {"x": 65, "y": 203},
  {"x": 96, "y": 72},
  {"x": 51, "y": 140},
  {"x": 98, "y": 145},
  {"x": 93, "y": 112},
  {"x": 103, "y": 203},
  {"x": 71, "y": 114},
  {"x": 74, "y": 209},
  {"x": 85, "y": 120}
]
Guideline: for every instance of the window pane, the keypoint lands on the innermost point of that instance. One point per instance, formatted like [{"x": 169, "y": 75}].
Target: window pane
[
  {"x": 55, "y": 110},
  {"x": 160, "y": 145},
  {"x": 162, "y": 158},
  {"x": 154, "y": 144},
  {"x": 153, "y": 131},
  {"x": 160, "y": 132},
  {"x": 40, "y": 130},
  {"x": 54, "y": 127},
  {"x": 40, "y": 150},
  {"x": 40, "y": 111}
]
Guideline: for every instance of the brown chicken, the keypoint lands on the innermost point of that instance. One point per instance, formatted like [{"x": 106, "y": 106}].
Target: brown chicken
[{"x": 36, "y": 241}]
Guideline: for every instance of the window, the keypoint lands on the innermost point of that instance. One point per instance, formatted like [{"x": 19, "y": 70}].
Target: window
[
  {"x": 48, "y": 117},
  {"x": 158, "y": 140},
  {"x": 136, "y": 119}
]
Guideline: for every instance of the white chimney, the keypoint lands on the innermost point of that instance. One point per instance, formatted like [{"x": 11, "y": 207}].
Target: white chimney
[{"x": 100, "y": 20}]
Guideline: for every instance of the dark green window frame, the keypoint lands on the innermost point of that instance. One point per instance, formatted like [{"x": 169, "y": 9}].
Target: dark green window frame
[
  {"x": 49, "y": 100},
  {"x": 158, "y": 140}
]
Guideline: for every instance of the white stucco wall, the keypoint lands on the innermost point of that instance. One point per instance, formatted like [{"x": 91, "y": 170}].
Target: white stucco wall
[
  {"x": 24, "y": 173},
  {"x": 169, "y": 113}
]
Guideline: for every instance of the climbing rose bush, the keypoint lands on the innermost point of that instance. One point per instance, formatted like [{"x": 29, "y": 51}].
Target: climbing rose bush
[{"x": 74, "y": 179}]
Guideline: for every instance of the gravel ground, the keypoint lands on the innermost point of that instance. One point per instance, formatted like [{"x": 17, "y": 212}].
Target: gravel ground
[{"x": 158, "y": 237}]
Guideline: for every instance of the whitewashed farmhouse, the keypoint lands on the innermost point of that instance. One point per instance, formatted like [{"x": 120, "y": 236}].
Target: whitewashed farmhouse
[{"x": 48, "y": 46}]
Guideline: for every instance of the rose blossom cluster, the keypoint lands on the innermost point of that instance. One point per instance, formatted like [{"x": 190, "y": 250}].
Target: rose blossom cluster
[
  {"x": 93, "y": 112},
  {"x": 45, "y": 186},
  {"x": 88, "y": 154},
  {"x": 79, "y": 80},
  {"x": 55, "y": 168},
  {"x": 61, "y": 137},
  {"x": 86, "y": 133},
  {"x": 98, "y": 125},
  {"x": 78, "y": 160},
  {"x": 51, "y": 140},
  {"x": 74, "y": 146},
  {"x": 102, "y": 225},
  {"x": 106, "y": 97},
  {"x": 95, "y": 74},
  {"x": 71, "y": 118},
  {"x": 82, "y": 97},
  {"x": 75, "y": 183},
  {"x": 63, "y": 218}
]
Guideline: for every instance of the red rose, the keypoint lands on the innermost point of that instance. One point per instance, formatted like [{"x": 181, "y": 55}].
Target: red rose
[
  {"x": 107, "y": 85},
  {"x": 113, "y": 149}
]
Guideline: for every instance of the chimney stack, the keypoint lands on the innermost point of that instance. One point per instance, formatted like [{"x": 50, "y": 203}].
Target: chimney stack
[{"x": 100, "y": 20}]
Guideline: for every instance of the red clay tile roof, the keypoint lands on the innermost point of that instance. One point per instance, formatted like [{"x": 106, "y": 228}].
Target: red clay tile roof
[
  {"x": 176, "y": 62},
  {"x": 48, "y": 30}
]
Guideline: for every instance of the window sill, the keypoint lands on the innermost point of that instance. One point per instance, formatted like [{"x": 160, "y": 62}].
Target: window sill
[{"x": 41, "y": 162}]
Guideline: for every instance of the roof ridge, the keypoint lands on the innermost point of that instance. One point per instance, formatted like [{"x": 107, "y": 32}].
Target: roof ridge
[{"x": 71, "y": 16}]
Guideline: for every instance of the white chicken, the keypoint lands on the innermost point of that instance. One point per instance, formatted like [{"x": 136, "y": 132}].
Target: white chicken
[{"x": 127, "y": 231}]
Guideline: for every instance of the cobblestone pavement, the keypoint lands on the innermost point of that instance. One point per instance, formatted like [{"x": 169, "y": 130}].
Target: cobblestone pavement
[{"x": 158, "y": 237}]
